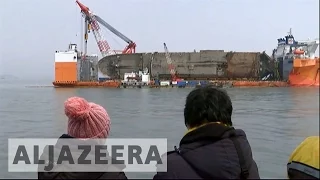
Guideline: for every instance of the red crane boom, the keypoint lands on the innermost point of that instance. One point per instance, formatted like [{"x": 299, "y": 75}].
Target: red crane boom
[
  {"x": 172, "y": 69},
  {"x": 93, "y": 21}
]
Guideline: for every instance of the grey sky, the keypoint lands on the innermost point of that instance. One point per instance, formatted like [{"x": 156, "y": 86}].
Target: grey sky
[{"x": 31, "y": 30}]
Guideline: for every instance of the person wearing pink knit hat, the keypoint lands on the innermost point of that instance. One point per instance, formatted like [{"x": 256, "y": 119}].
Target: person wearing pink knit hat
[{"x": 86, "y": 120}]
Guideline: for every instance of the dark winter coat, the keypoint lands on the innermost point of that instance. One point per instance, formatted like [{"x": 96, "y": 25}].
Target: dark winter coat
[
  {"x": 209, "y": 152},
  {"x": 79, "y": 175}
]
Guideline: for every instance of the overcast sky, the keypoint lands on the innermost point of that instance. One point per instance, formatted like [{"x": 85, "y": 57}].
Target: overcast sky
[{"x": 31, "y": 30}]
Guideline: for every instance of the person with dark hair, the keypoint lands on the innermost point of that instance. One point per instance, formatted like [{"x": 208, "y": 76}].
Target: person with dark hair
[
  {"x": 304, "y": 160},
  {"x": 211, "y": 148}
]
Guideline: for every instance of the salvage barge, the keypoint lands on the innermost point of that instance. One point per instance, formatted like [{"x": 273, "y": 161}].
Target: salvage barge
[{"x": 72, "y": 69}]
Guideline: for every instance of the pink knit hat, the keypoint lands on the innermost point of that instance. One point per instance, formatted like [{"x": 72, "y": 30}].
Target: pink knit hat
[{"x": 86, "y": 119}]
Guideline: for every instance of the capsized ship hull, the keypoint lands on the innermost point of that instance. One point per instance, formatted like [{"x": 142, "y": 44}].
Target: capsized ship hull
[{"x": 305, "y": 72}]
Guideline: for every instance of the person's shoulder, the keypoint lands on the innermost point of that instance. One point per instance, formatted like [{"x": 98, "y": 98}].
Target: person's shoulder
[
  {"x": 241, "y": 132},
  {"x": 167, "y": 157},
  {"x": 171, "y": 158},
  {"x": 170, "y": 154},
  {"x": 113, "y": 175},
  {"x": 167, "y": 160}
]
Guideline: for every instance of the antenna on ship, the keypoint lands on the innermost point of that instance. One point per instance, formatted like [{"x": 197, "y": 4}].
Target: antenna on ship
[{"x": 290, "y": 32}]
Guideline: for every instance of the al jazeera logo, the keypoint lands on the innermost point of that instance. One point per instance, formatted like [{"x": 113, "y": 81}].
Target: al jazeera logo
[{"x": 93, "y": 155}]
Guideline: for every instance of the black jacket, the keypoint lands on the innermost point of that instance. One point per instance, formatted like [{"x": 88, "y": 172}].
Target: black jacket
[
  {"x": 210, "y": 152},
  {"x": 78, "y": 175}
]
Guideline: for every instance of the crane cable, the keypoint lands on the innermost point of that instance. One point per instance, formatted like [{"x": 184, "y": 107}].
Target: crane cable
[
  {"x": 116, "y": 41},
  {"x": 82, "y": 34}
]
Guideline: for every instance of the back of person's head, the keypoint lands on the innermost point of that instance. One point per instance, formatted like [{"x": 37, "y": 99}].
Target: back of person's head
[
  {"x": 86, "y": 119},
  {"x": 304, "y": 160},
  {"x": 207, "y": 104}
]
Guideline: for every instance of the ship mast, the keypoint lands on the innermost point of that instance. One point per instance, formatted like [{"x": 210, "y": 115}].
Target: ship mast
[{"x": 290, "y": 32}]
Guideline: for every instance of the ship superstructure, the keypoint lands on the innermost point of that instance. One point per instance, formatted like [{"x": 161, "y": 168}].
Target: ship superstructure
[
  {"x": 283, "y": 55},
  {"x": 289, "y": 52},
  {"x": 71, "y": 66}
]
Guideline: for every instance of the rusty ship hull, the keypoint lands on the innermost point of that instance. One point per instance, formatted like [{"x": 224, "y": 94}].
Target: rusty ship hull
[{"x": 203, "y": 65}]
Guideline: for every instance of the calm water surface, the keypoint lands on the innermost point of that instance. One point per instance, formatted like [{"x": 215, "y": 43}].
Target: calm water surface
[{"x": 275, "y": 119}]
